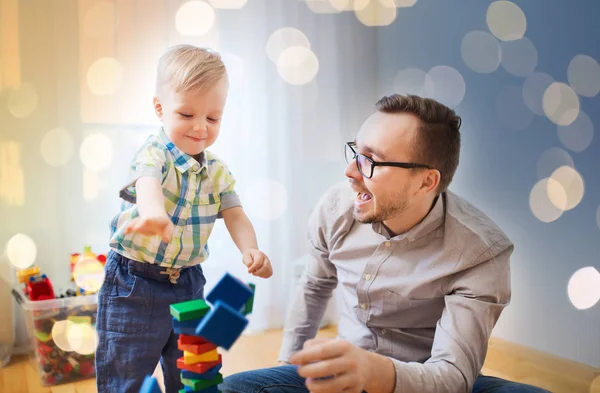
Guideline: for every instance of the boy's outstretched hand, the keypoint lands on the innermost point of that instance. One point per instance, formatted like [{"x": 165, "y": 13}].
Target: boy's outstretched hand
[
  {"x": 153, "y": 225},
  {"x": 258, "y": 263}
]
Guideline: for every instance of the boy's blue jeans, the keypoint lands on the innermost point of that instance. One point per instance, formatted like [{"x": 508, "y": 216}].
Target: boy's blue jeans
[
  {"x": 134, "y": 323},
  {"x": 285, "y": 379}
]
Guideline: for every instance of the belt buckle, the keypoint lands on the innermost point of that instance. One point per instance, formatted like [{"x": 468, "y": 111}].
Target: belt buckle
[{"x": 173, "y": 274}]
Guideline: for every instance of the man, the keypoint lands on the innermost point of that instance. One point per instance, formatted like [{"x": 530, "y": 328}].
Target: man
[{"x": 424, "y": 275}]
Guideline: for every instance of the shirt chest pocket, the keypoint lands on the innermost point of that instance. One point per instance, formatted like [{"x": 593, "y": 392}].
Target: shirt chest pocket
[
  {"x": 205, "y": 210},
  {"x": 400, "y": 311}
]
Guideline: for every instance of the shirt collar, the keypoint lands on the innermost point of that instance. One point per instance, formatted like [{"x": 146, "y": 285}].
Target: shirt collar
[
  {"x": 431, "y": 222},
  {"x": 183, "y": 162}
]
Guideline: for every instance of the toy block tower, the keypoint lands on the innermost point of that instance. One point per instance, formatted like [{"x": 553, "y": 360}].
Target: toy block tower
[{"x": 202, "y": 329}]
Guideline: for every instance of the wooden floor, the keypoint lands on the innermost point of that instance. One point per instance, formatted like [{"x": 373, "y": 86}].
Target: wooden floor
[{"x": 504, "y": 360}]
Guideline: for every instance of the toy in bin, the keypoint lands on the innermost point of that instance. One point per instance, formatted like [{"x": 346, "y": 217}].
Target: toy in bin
[
  {"x": 63, "y": 338},
  {"x": 37, "y": 286},
  {"x": 87, "y": 271}
]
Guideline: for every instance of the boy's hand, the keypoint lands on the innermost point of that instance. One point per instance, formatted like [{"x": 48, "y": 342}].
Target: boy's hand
[
  {"x": 258, "y": 263},
  {"x": 154, "y": 225}
]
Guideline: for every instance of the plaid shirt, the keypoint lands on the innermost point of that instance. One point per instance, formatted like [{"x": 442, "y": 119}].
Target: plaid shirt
[{"x": 195, "y": 191}]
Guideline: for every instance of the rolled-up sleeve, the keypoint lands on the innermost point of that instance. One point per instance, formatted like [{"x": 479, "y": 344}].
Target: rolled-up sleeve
[
  {"x": 150, "y": 160},
  {"x": 475, "y": 301}
]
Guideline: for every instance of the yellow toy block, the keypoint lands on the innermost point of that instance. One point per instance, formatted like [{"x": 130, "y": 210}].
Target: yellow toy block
[
  {"x": 191, "y": 358},
  {"x": 23, "y": 275}
]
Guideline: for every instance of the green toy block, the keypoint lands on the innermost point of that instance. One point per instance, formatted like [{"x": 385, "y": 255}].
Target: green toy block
[
  {"x": 248, "y": 306},
  {"x": 190, "y": 310},
  {"x": 200, "y": 384}
]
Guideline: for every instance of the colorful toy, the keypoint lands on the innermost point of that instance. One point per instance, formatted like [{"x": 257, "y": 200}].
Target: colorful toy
[
  {"x": 231, "y": 291},
  {"x": 248, "y": 306},
  {"x": 202, "y": 329},
  {"x": 87, "y": 271},
  {"x": 222, "y": 325},
  {"x": 150, "y": 385},
  {"x": 56, "y": 365},
  {"x": 24, "y": 275},
  {"x": 39, "y": 288},
  {"x": 190, "y": 310},
  {"x": 87, "y": 252}
]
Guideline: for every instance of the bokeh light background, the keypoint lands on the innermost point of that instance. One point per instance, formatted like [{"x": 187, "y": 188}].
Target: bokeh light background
[{"x": 76, "y": 83}]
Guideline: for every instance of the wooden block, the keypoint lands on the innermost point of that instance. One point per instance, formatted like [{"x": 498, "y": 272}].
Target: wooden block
[
  {"x": 187, "y": 311},
  {"x": 188, "y": 339},
  {"x": 212, "y": 389},
  {"x": 150, "y": 385},
  {"x": 222, "y": 325},
  {"x": 191, "y": 358},
  {"x": 199, "y": 368},
  {"x": 201, "y": 384},
  {"x": 207, "y": 375},
  {"x": 231, "y": 291},
  {"x": 196, "y": 349}
]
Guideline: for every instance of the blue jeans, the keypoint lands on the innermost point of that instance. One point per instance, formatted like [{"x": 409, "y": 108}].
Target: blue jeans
[
  {"x": 134, "y": 323},
  {"x": 285, "y": 379}
]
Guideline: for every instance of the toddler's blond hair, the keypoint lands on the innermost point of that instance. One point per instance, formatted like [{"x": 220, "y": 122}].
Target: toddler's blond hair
[{"x": 187, "y": 67}]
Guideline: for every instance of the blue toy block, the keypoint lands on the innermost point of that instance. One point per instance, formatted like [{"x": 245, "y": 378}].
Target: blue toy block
[
  {"x": 222, "y": 325},
  {"x": 188, "y": 331},
  {"x": 207, "y": 375},
  {"x": 186, "y": 324},
  {"x": 231, "y": 291},
  {"x": 150, "y": 385}
]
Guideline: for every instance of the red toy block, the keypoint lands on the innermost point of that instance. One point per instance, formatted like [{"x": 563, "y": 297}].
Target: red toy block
[
  {"x": 199, "y": 368},
  {"x": 196, "y": 349},
  {"x": 187, "y": 339}
]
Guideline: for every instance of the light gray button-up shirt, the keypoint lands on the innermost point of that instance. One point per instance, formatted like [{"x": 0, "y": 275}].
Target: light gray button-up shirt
[{"x": 428, "y": 298}]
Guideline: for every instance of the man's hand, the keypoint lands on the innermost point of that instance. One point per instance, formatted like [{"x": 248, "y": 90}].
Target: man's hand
[
  {"x": 159, "y": 225},
  {"x": 332, "y": 366},
  {"x": 258, "y": 263}
]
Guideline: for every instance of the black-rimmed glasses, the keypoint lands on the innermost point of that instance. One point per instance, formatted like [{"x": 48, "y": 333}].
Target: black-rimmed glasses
[{"x": 366, "y": 164}]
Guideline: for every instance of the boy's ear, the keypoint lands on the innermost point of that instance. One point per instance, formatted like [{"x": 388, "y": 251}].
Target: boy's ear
[{"x": 158, "y": 108}]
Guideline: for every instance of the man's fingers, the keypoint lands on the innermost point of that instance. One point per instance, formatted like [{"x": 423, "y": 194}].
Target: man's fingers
[
  {"x": 336, "y": 384},
  {"x": 324, "y": 369},
  {"x": 314, "y": 352}
]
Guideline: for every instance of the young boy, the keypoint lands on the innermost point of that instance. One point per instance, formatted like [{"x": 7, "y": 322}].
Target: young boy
[{"x": 175, "y": 191}]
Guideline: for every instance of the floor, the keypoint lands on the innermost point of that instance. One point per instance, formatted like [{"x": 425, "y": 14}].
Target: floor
[{"x": 504, "y": 360}]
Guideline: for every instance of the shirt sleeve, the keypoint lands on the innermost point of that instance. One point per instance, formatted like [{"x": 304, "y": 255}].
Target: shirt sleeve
[
  {"x": 477, "y": 297},
  {"x": 226, "y": 188},
  {"x": 150, "y": 160},
  {"x": 318, "y": 280}
]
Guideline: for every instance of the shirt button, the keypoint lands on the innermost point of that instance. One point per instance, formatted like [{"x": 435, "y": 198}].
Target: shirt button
[
  {"x": 367, "y": 277},
  {"x": 383, "y": 332},
  {"x": 388, "y": 244},
  {"x": 168, "y": 260},
  {"x": 363, "y": 306},
  {"x": 188, "y": 205},
  {"x": 195, "y": 167}
]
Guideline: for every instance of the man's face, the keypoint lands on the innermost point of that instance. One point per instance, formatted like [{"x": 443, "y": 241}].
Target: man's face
[{"x": 389, "y": 192}]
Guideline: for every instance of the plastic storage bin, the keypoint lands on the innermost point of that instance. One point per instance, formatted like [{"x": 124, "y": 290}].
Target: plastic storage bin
[{"x": 62, "y": 337}]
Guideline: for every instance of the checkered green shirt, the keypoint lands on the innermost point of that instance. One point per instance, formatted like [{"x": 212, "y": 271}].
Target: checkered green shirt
[{"x": 196, "y": 190}]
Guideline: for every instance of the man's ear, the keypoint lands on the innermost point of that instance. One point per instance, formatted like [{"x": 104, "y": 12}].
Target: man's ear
[
  {"x": 158, "y": 108},
  {"x": 430, "y": 181}
]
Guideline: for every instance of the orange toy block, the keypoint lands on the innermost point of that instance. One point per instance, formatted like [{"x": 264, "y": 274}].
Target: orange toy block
[
  {"x": 198, "y": 368},
  {"x": 196, "y": 349},
  {"x": 191, "y": 358}
]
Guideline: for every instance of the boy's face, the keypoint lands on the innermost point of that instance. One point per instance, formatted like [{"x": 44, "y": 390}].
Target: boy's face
[{"x": 192, "y": 119}]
